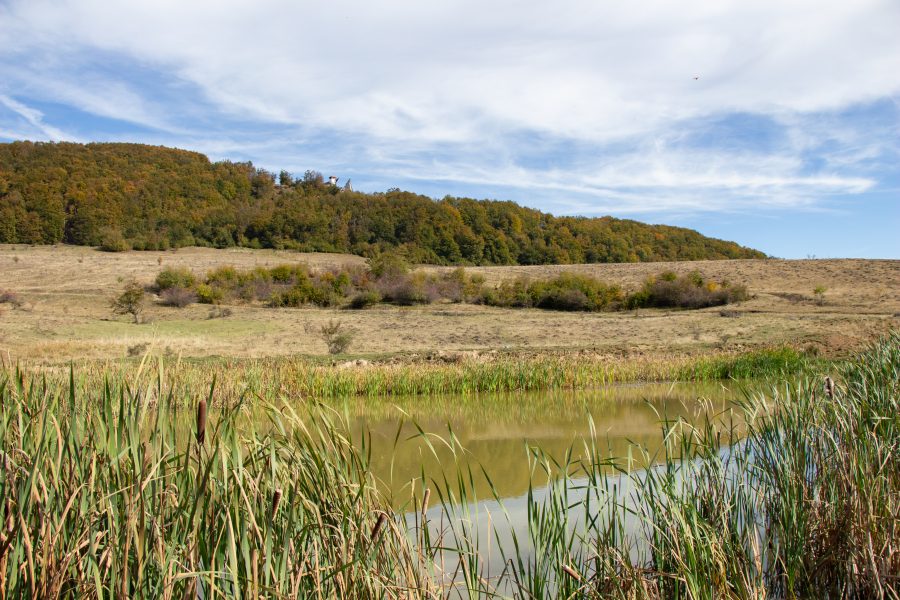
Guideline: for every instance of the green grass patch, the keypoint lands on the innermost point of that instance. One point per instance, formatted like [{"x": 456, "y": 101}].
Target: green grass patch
[{"x": 174, "y": 328}]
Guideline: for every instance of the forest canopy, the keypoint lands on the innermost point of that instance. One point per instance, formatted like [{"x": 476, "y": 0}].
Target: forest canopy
[{"x": 121, "y": 196}]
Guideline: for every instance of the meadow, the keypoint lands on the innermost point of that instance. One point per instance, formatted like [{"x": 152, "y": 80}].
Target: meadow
[{"x": 62, "y": 294}]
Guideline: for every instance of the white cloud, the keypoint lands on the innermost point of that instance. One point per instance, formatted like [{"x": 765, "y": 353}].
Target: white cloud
[
  {"x": 418, "y": 79},
  {"x": 35, "y": 118}
]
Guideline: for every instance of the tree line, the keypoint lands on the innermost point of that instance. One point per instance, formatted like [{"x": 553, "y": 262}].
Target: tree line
[{"x": 120, "y": 196}]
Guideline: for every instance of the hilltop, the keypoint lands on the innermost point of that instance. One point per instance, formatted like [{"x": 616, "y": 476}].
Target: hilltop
[{"x": 132, "y": 196}]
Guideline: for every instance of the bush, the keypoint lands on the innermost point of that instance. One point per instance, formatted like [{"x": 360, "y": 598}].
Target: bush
[
  {"x": 509, "y": 294},
  {"x": 819, "y": 294},
  {"x": 178, "y": 297},
  {"x": 171, "y": 277},
  {"x": 388, "y": 264},
  {"x": 688, "y": 291},
  {"x": 365, "y": 299},
  {"x": 459, "y": 286},
  {"x": 336, "y": 337},
  {"x": 207, "y": 294},
  {"x": 565, "y": 299},
  {"x": 306, "y": 292},
  {"x": 405, "y": 290},
  {"x": 288, "y": 273},
  {"x": 224, "y": 276},
  {"x": 568, "y": 291},
  {"x": 114, "y": 242}
]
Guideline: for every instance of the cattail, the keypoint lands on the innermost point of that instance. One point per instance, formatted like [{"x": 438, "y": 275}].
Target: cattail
[
  {"x": 571, "y": 572},
  {"x": 276, "y": 500},
  {"x": 379, "y": 524},
  {"x": 201, "y": 422},
  {"x": 425, "y": 498},
  {"x": 829, "y": 387},
  {"x": 145, "y": 459}
]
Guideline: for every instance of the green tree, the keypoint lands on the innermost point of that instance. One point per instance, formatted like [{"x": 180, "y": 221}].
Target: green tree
[{"x": 130, "y": 301}]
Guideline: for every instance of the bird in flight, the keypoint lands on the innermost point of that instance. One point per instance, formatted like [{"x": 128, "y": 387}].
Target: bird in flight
[{"x": 696, "y": 77}]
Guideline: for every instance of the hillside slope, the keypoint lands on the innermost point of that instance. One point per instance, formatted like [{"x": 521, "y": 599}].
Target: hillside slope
[{"x": 148, "y": 197}]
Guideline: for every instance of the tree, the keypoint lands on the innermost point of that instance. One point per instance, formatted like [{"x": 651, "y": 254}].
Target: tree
[
  {"x": 130, "y": 301},
  {"x": 313, "y": 179},
  {"x": 285, "y": 179}
]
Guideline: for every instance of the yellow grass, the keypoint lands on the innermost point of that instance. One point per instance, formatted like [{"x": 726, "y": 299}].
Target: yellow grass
[{"x": 65, "y": 314}]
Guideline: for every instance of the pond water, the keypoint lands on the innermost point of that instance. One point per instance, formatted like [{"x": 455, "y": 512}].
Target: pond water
[{"x": 445, "y": 436}]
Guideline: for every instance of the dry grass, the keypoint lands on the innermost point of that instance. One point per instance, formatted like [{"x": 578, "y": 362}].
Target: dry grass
[{"x": 65, "y": 293}]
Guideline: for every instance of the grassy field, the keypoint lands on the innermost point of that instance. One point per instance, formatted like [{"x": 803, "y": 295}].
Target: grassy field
[{"x": 64, "y": 313}]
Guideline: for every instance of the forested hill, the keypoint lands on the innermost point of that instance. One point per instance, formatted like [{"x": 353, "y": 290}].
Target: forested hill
[{"x": 148, "y": 197}]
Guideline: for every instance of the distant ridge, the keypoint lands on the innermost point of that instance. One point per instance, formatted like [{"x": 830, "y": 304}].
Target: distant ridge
[{"x": 147, "y": 197}]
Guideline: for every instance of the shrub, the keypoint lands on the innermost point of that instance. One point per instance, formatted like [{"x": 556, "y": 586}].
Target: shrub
[
  {"x": 130, "y": 301},
  {"x": 565, "y": 299},
  {"x": 287, "y": 273},
  {"x": 306, "y": 292},
  {"x": 336, "y": 337},
  {"x": 511, "y": 294},
  {"x": 388, "y": 264},
  {"x": 208, "y": 294},
  {"x": 224, "y": 276},
  {"x": 688, "y": 291},
  {"x": 365, "y": 299},
  {"x": 459, "y": 286},
  {"x": 405, "y": 290},
  {"x": 171, "y": 277},
  {"x": 178, "y": 296},
  {"x": 568, "y": 291},
  {"x": 819, "y": 294},
  {"x": 114, "y": 242}
]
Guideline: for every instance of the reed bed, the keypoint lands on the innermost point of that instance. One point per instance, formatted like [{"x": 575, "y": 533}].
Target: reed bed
[
  {"x": 276, "y": 379},
  {"x": 104, "y": 497}
]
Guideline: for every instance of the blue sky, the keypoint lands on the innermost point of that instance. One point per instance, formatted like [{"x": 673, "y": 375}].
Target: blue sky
[{"x": 774, "y": 123}]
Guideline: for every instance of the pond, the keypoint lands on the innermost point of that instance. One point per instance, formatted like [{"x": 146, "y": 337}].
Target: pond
[{"x": 445, "y": 436}]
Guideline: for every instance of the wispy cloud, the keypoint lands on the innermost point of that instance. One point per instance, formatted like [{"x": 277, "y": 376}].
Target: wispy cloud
[
  {"x": 35, "y": 118},
  {"x": 579, "y": 106}
]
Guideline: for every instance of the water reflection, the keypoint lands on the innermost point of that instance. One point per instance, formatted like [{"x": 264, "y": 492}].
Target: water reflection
[{"x": 414, "y": 436}]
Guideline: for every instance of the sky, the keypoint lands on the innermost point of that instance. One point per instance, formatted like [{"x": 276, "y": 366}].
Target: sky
[{"x": 773, "y": 123}]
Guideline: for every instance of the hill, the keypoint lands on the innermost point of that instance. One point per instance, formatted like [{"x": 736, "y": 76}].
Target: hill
[{"x": 153, "y": 198}]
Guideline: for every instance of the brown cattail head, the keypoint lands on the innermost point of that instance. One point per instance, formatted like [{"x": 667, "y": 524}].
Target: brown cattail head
[
  {"x": 276, "y": 500},
  {"x": 10, "y": 522},
  {"x": 425, "y": 498},
  {"x": 201, "y": 421},
  {"x": 571, "y": 572},
  {"x": 829, "y": 387},
  {"x": 379, "y": 525},
  {"x": 145, "y": 459}
]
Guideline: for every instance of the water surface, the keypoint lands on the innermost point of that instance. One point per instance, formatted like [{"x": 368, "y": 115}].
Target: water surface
[{"x": 444, "y": 437}]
